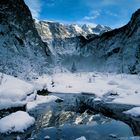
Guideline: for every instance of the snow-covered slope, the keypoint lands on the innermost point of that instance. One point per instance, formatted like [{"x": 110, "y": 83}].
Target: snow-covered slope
[
  {"x": 21, "y": 49},
  {"x": 119, "y": 49}
]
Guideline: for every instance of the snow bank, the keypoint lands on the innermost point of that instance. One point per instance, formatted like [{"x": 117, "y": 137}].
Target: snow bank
[
  {"x": 40, "y": 100},
  {"x": 14, "y": 92},
  {"x": 131, "y": 99},
  {"x": 16, "y": 122},
  {"x": 134, "y": 111}
]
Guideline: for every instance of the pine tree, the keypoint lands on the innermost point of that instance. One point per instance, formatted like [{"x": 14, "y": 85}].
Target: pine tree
[{"x": 73, "y": 68}]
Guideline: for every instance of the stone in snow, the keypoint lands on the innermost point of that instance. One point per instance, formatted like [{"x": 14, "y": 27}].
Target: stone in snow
[{"x": 81, "y": 138}]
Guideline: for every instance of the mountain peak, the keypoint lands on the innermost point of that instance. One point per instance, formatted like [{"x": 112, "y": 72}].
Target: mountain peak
[
  {"x": 49, "y": 30},
  {"x": 136, "y": 14},
  {"x": 135, "y": 17},
  {"x": 99, "y": 26}
]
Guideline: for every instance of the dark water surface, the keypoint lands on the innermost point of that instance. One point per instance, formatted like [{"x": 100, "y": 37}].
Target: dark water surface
[
  {"x": 62, "y": 121},
  {"x": 106, "y": 131}
]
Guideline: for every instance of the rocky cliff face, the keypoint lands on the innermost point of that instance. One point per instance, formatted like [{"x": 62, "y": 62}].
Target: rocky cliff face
[
  {"x": 119, "y": 49},
  {"x": 21, "y": 49}
]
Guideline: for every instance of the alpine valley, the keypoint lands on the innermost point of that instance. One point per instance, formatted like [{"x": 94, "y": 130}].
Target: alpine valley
[{"x": 67, "y": 81}]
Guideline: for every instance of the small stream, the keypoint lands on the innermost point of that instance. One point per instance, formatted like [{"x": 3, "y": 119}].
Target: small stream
[{"x": 65, "y": 121}]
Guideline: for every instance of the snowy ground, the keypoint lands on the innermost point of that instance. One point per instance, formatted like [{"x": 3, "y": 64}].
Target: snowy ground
[
  {"x": 124, "y": 88},
  {"x": 15, "y": 92}
]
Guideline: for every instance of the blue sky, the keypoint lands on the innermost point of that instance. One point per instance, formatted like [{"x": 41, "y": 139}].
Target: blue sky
[{"x": 113, "y": 13}]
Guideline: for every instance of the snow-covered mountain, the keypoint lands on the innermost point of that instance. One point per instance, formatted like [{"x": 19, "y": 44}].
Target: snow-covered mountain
[
  {"x": 116, "y": 50},
  {"x": 65, "y": 41},
  {"x": 23, "y": 52},
  {"x": 119, "y": 49},
  {"x": 51, "y": 30},
  {"x": 100, "y": 29},
  {"x": 21, "y": 49}
]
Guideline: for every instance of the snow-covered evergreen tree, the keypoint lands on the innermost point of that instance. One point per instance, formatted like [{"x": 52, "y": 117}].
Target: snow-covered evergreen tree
[{"x": 73, "y": 68}]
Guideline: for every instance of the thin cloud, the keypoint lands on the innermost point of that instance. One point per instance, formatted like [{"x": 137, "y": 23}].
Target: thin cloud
[
  {"x": 35, "y": 7},
  {"x": 111, "y": 14},
  {"x": 92, "y": 15},
  {"x": 50, "y": 3}
]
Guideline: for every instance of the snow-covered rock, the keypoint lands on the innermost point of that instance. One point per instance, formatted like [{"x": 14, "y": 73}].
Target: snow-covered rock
[
  {"x": 16, "y": 122},
  {"x": 81, "y": 138},
  {"x": 40, "y": 100},
  {"x": 134, "y": 111},
  {"x": 15, "y": 92},
  {"x": 46, "y": 137},
  {"x": 112, "y": 82}
]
